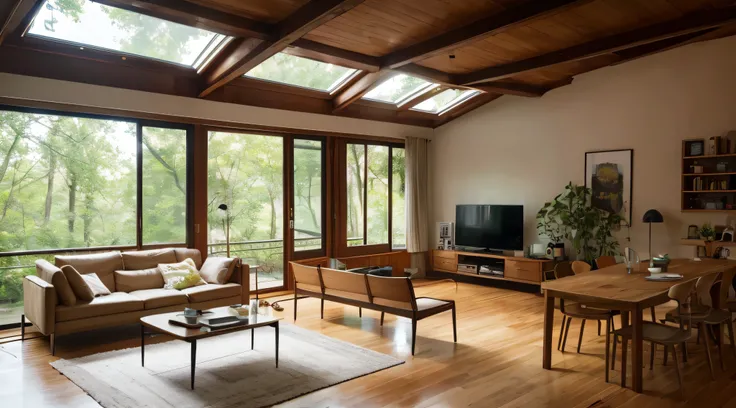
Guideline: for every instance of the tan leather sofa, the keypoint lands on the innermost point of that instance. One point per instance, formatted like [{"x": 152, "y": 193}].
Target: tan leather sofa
[
  {"x": 127, "y": 302},
  {"x": 384, "y": 294}
]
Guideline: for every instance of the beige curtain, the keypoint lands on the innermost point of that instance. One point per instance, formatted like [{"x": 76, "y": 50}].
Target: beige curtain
[{"x": 417, "y": 201}]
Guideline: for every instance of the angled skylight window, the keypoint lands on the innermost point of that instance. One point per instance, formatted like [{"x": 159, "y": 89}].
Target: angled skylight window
[
  {"x": 95, "y": 25},
  {"x": 399, "y": 88},
  {"x": 304, "y": 72},
  {"x": 446, "y": 100}
]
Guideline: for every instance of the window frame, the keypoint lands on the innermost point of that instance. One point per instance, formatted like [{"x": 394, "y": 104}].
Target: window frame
[
  {"x": 139, "y": 123},
  {"x": 312, "y": 253},
  {"x": 340, "y": 235}
]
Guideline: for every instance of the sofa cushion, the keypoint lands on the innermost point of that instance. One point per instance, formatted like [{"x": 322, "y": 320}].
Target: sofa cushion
[
  {"x": 217, "y": 269},
  {"x": 184, "y": 253},
  {"x": 137, "y": 260},
  {"x": 116, "y": 302},
  {"x": 207, "y": 292},
  {"x": 156, "y": 298},
  {"x": 103, "y": 264},
  {"x": 53, "y": 275},
  {"x": 80, "y": 288},
  {"x": 129, "y": 281}
]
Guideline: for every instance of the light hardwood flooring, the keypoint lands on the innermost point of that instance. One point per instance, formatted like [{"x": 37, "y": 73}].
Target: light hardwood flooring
[{"x": 496, "y": 362}]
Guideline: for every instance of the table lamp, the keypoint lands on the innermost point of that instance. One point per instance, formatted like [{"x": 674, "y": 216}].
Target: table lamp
[{"x": 652, "y": 216}]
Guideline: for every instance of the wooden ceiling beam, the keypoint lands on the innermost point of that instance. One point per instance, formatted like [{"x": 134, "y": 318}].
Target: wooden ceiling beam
[
  {"x": 15, "y": 13},
  {"x": 688, "y": 24},
  {"x": 333, "y": 55},
  {"x": 244, "y": 55},
  {"x": 361, "y": 87},
  {"x": 194, "y": 15},
  {"x": 446, "y": 42},
  {"x": 512, "y": 88},
  {"x": 663, "y": 45}
]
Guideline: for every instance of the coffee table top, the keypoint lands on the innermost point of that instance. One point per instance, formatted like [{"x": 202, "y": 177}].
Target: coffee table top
[{"x": 160, "y": 323}]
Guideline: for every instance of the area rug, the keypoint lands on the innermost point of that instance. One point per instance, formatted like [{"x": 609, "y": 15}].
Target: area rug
[{"x": 228, "y": 373}]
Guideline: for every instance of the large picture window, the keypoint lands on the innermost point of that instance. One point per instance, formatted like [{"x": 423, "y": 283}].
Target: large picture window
[
  {"x": 373, "y": 178},
  {"x": 75, "y": 183}
]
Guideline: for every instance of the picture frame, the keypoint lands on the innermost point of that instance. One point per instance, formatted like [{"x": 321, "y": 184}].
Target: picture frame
[{"x": 609, "y": 174}]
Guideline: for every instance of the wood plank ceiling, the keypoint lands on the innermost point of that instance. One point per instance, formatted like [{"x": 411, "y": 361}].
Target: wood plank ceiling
[{"x": 498, "y": 47}]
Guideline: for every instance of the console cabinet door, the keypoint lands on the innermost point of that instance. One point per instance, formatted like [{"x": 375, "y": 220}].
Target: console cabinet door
[{"x": 526, "y": 271}]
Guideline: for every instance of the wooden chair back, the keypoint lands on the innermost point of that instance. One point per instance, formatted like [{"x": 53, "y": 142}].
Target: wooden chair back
[
  {"x": 726, "y": 282},
  {"x": 605, "y": 261},
  {"x": 392, "y": 292},
  {"x": 681, "y": 293},
  {"x": 563, "y": 269},
  {"x": 344, "y": 281},
  {"x": 579, "y": 267},
  {"x": 703, "y": 287},
  {"x": 306, "y": 275}
]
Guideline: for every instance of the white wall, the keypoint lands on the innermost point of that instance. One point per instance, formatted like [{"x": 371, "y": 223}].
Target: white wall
[
  {"x": 51, "y": 90},
  {"x": 523, "y": 151}
]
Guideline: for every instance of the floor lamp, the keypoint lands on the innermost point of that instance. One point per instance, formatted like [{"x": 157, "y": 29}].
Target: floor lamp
[{"x": 226, "y": 227}]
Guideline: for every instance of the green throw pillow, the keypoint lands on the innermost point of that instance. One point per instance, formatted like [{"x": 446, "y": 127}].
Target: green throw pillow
[{"x": 181, "y": 275}]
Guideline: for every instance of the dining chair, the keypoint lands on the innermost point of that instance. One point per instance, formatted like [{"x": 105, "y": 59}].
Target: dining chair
[
  {"x": 576, "y": 310},
  {"x": 605, "y": 261},
  {"x": 700, "y": 308},
  {"x": 580, "y": 267},
  {"x": 718, "y": 317},
  {"x": 668, "y": 336}
]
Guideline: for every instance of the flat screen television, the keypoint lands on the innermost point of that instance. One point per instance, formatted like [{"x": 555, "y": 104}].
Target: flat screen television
[{"x": 491, "y": 227}]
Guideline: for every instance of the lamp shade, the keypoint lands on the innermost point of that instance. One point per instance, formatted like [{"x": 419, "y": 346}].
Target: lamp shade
[
  {"x": 223, "y": 207},
  {"x": 653, "y": 216}
]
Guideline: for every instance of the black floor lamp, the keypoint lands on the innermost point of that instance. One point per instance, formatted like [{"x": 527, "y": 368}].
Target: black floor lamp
[
  {"x": 226, "y": 227},
  {"x": 652, "y": 216}
]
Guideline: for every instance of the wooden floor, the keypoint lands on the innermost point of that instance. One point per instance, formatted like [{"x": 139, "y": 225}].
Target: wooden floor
[{"x": 496, "y": 363}]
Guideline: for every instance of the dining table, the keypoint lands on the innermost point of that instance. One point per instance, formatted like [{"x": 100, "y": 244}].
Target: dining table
[{"x": 614, "y": 288}]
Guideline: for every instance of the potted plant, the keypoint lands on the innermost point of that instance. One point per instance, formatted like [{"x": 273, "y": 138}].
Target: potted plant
[{"x": 707, "y": 232}]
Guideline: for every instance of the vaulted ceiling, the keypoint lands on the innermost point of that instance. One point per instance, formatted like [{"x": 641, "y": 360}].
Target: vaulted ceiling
[{"x": 494, "y": 47}]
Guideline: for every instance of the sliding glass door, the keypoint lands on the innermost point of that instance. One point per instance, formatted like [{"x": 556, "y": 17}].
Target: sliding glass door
[{"x": 308, "y": 188}]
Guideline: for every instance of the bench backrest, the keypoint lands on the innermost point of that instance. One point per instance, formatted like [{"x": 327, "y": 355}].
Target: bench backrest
[
  {"x": 344, "y": 281},
  {"x": 306, "y": 277},
  {"x": 392, "y": 292}
]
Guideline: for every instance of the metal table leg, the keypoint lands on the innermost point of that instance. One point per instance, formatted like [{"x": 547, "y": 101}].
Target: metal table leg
[
  {"x": 194, "y": 359},
  {"x": 143, "y": 346}
]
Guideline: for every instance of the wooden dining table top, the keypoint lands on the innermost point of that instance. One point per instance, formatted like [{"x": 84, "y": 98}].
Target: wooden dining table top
[{"x": 615, "y": 287}]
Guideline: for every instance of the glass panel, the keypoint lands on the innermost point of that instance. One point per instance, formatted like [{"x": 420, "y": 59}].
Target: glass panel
[
  {"x": 398, "y": 203},
  {"x": 96, "y": 25},
  {"x": 66, "y": 182},
  {"x": 355, "y": 193},
  {"x": 377, "y": 185},
  {"x": 164, "y": 185},
  {"x": 445, "y": 100},
  {"x": 245, "y": 172},
  {"x": 304, "y": 72},
  {"x": 307, "y": 195},
  {"x": 398, "y": 88}
]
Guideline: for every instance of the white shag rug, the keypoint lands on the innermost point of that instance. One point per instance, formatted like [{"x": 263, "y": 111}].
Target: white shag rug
[{"x": 228, "y": 373}]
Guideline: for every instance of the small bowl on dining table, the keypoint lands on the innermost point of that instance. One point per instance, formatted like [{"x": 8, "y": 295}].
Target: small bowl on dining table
[{"x": 654, "y": 270}]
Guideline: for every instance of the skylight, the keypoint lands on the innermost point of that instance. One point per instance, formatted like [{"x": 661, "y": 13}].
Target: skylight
[
  {"x": 399, "y": 88},
  {"x": 303, "y": 72},
  {"x": 95, "y": 25},
  {"x": 446, "y": 100}
]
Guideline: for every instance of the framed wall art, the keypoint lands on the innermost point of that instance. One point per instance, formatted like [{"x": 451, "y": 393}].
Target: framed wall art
[{"x": 609, "y": 175}]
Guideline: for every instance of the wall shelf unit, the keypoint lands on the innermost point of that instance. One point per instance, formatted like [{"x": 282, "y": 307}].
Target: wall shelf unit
[{"x": 709, "y": 179}]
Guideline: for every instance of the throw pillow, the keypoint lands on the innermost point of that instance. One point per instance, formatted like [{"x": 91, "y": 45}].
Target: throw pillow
[
  {"x": 95, "y": 283},
  {"x": 79, "y": 286},
  {"x": 217, "y": 270},
  {"x": 181, "y": 275},
  {"x": 63, "y": 289}
]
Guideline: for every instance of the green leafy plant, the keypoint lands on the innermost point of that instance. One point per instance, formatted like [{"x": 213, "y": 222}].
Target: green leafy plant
[
  {"x": 707, "y": 232},
  {"x": 571, "y": 216}
]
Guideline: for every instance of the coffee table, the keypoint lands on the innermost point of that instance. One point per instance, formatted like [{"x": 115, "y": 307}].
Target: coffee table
[{"x": 160, "y": 324}]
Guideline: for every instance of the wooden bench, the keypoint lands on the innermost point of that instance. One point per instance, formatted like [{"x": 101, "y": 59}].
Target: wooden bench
[{"x": 384, "y": 294}]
